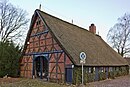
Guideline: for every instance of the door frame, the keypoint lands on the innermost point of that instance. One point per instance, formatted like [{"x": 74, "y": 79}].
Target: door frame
[
  {"x": 66, "y": 74},
  {"x": 41, "y": 65}
]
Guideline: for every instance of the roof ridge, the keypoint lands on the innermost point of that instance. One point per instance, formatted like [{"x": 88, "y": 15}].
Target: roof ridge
[
  {"x": 68, "y": 22},
  {"x": 63, "y": 20}
]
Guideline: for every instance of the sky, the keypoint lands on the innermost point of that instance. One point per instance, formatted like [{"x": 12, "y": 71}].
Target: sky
[{"x": 103, "y": 13}]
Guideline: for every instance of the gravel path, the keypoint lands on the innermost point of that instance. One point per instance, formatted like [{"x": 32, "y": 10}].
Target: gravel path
[{"x": 123, "y": 81}]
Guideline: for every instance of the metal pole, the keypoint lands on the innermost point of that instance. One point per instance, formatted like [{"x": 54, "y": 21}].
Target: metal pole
[{"x": 82, "y": 75}]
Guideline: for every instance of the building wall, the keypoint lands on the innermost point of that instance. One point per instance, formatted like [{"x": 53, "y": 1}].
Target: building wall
[
  {"x": 26, "y": 66},
  {"x": 42, "y": 42},
  {"x": 98, "y": 73}
]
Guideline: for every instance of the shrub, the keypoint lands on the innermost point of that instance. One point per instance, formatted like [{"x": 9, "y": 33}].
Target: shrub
[
  {"x": 102, "y": 75},
  {"x": 89, "y": 77},
  {"x": 77, "y": 75},
  {"x": 9, "y": 59}
]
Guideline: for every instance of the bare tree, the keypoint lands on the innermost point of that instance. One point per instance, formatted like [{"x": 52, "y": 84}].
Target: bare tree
[
  {"x": 12, "y": 21},
  {"x": 119, "y": 35}
]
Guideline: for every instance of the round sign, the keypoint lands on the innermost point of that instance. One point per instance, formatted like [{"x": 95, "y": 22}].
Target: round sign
[{"x": 82, "y": 55}]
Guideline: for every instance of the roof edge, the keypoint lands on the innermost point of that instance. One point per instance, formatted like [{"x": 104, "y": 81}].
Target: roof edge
[
  {"x": 55, "y": 36},
  {"x": 64, "y": 21},
  {"x": 29, "y": 31}
]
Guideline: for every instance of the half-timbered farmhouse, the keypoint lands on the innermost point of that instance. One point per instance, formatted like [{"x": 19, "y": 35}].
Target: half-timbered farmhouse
[{"x": 52, "y": 48}]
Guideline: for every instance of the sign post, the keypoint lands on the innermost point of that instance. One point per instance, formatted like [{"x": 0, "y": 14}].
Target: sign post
[
  {"x": 82, "y": 61},
  {"x": 82, "y": 74}
]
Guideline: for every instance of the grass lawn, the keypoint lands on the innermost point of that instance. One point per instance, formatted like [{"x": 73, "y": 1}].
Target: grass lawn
[
  {"x": 29, "y": 83},
  {"x": 122, "y": 81}
]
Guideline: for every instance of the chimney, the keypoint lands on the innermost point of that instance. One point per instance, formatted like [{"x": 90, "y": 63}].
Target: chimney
[
  {"x": 92, "y": 29},
  {"x": 40, "y": 7}
]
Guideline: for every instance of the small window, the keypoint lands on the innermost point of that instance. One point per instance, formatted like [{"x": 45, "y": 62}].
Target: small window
[
  {"x": 86, "y": 69},
  {"x": 101, "y": 69},
  {"x": 117, "y": 68},
  {"x": 89, "y": 69},
  {"x": 38, "y": 22},
  {"x": 94, "y": 69},
  {"x": 110, "y": 69}
]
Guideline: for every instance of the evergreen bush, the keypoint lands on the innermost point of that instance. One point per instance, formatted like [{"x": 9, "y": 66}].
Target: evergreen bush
[{"x": 9, "y": 59}]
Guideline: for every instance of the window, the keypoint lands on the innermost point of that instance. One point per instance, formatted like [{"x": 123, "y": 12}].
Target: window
[
  {"x": 101, "y": 69},
  {"x": 89, "y": 70},
  {"x": 110, "y": 69},
  {"x": 86, "y": 69},
  {"x": 38, "y": 22},
  {"x": 94, "y": 69}
]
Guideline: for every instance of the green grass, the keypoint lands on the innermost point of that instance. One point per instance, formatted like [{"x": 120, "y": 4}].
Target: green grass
[
  {"x": 22, "y": 82},
  {"x": 31, "y": 83}
]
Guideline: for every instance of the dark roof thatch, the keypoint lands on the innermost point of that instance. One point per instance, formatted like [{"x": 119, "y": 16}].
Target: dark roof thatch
[
  {"x": 74, "y": 39},
  {"x": 127, "y": 59}
]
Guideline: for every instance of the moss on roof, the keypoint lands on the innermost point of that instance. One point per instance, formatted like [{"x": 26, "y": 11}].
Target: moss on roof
[{"x": 74, "y": 39}]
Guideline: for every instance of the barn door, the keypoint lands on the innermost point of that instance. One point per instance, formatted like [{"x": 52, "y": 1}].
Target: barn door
[
  {"x": 40, "y": 67},
  {"x": 37, "y": 67},
  {"x": 68, "y": 75}
]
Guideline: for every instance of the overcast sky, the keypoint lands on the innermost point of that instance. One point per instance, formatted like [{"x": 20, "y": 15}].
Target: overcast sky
[{"x": 103, "y": 13}]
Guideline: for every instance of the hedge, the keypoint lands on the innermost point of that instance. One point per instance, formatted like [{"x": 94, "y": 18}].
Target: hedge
[{"x": 90, "y": 77}]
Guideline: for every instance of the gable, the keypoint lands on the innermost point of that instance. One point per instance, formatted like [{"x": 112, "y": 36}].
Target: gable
[
  {"x": 39, "y": 42},
  {"x": 40, "y": 38}
]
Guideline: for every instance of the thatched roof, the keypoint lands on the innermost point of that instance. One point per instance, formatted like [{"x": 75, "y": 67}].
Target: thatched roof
[
  {"x": 127, "y": 59},
  {"x": 74, "y": 39}
]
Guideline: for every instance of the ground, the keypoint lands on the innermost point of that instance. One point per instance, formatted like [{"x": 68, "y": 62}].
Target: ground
[{"x": 123, "y": 81}]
